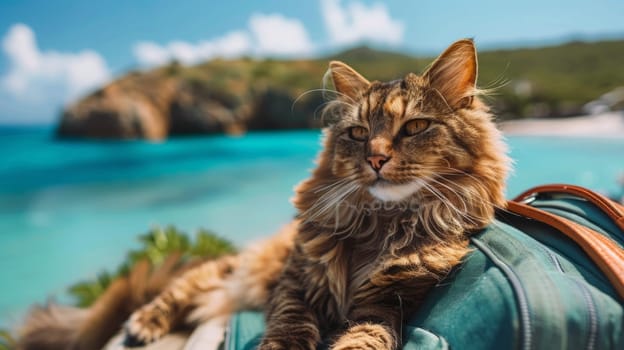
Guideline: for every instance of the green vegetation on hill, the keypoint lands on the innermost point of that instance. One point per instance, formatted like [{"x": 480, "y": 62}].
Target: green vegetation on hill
[
  {"x": 7, "y": 341},
  {"x": 156, "y": 245},
  {"x": 553, "y": 81},
  {"x": 528, "y": 82},
  {"x": 234, "y": 96}
]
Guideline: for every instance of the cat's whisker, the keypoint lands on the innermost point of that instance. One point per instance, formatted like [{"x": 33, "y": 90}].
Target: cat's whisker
[
  {"x": 305, "y": 93},
  {"x": 329, "y": 200},
  {"x": 456, "y": 172},
  {"x": 320, "y": 107},
  {"x": 451, "y": 209},
  {"x": 348, "y": 251},
  {"x": 444, "y": 200},
  {"x": 331, "y": 184},
  {"x": 462, "y": 197},
  {"x": 475, "y": 195},
  {"x": 457, "y": 195},
  {"x": 337, "y": 110},
  {"x": 327, "y": 77},
  {"x": 440, "y": 196},
  {"x": 466, "y": 212},
  {"x": 434, "y": 230},
  {"x": 337, "y": 207},
  {"x": 331, "y": 187},
  {"x": 324, "y": 104},
  {"x": 327, "y": 107}
]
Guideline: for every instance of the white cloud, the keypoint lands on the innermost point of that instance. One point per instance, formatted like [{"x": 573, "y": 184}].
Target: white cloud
[
  {"x": 357, "y": 22},
  {"x": 278, "y": 35},
  {"x": 150, "y": 54},
  {"x": 230, "y": 45},
  {"x": 267, "y": 35},
  {"x": 56, "y": 77}
]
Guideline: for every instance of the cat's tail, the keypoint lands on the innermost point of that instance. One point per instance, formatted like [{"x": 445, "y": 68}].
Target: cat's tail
[{"x": 63, "y": 327}]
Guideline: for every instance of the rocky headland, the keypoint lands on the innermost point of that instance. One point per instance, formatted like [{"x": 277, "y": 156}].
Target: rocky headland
[
  {"x": 218, "y": 97},
  {"x": 235, "y": 96}
]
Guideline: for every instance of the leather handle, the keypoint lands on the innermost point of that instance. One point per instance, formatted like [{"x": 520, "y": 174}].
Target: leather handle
[
  {"x": 605, "y": 253},
  {"x": 612, "y": 209}
]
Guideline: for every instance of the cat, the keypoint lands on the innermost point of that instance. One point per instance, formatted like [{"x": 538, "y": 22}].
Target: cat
[{"x": 408, "y": 171}]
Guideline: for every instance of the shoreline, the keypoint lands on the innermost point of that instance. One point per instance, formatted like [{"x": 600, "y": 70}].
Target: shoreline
[{"x": 604, "y": 125}]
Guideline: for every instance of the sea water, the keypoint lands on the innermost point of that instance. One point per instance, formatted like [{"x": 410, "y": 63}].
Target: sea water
[{"x": 69, "y": 209}]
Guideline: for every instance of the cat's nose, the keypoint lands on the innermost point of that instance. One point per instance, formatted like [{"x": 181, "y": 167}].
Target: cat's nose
[{"x": 377, "y": 161}]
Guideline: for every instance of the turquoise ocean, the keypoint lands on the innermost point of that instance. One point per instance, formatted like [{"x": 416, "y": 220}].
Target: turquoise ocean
[{"x": 70, "y": 209}]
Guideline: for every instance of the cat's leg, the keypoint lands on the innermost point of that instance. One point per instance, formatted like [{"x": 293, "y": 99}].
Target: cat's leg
[
  {"x": 375, "y": 325},
  {"x": 249, "y": 286},
  {"x": 291, "y": 324},
  {"x": 394, "y": 292},
  {"x": 157, "y": 318},
  {"x": 215, "y": 289}
]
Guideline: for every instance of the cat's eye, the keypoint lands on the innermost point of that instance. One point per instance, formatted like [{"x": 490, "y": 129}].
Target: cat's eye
[
  {"x": 358, "y": 133},
  {"x": 415, "y": 126}
]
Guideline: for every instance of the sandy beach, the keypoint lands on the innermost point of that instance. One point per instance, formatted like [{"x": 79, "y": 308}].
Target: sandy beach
[{"x": 607, "y": 125}]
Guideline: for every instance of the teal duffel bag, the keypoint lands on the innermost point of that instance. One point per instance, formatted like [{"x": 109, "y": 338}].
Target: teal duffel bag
[{"x": 547, "y": 274}]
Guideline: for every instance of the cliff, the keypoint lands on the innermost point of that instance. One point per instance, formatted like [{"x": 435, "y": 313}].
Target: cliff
[
  {"x": 234, "y": 96},
  {"x": 215, "y": 97}
]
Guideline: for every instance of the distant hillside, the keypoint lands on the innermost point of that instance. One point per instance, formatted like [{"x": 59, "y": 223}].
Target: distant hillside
[
  {"x": 552, "y": 81},
  {"x": 537, "y": 82},
  {"x": 246, "y": 94}
]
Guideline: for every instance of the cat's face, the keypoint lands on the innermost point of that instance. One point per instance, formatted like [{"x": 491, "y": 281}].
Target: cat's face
[
  {"x": 425, "y": 143},
  {"x": 396, "y": 138}
]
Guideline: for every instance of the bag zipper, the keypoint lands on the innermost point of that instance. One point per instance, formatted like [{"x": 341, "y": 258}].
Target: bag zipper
[
  {"x": 554, "y": 259},
  {"x": 587, "y": 298},
  {"x": 516, "y": 285},
  {"x": 593, "y": 315}
]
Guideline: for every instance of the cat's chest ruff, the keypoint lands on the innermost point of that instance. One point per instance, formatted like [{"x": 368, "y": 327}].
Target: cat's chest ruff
[
  {"x": 347, "y": 273},
  {"x": 339, "y": 270}
]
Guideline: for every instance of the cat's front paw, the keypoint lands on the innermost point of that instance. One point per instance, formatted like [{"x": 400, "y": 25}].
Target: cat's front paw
[{"x": 146, "y": 325}]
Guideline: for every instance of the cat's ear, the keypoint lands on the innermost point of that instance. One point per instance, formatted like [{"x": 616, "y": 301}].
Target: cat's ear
[
  {"x": 454, "y": 74},
  {"x": 347, "y": 81}
]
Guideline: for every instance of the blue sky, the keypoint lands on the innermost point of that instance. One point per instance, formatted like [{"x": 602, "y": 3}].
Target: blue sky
[{"x": 55, "y": 51}]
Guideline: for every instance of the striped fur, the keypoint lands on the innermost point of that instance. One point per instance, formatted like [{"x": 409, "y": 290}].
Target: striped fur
[
  {"x": 214, "y": 289},
  {"x": 361, "y": 264},
  {"x": 367, "y": 244},
  {"x": 57, "y": 327}
]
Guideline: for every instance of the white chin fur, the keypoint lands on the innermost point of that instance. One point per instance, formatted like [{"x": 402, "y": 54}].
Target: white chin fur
[{"x": 395, "y": 193}]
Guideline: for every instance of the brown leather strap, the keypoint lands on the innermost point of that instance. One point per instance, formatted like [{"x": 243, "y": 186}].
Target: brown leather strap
[
  {"x": 612, "y": 209},
  {"x": 605, "y": 253}
]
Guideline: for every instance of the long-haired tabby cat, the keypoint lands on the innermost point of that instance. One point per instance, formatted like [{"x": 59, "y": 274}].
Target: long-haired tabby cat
[{"x": 409, "y": 169}]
